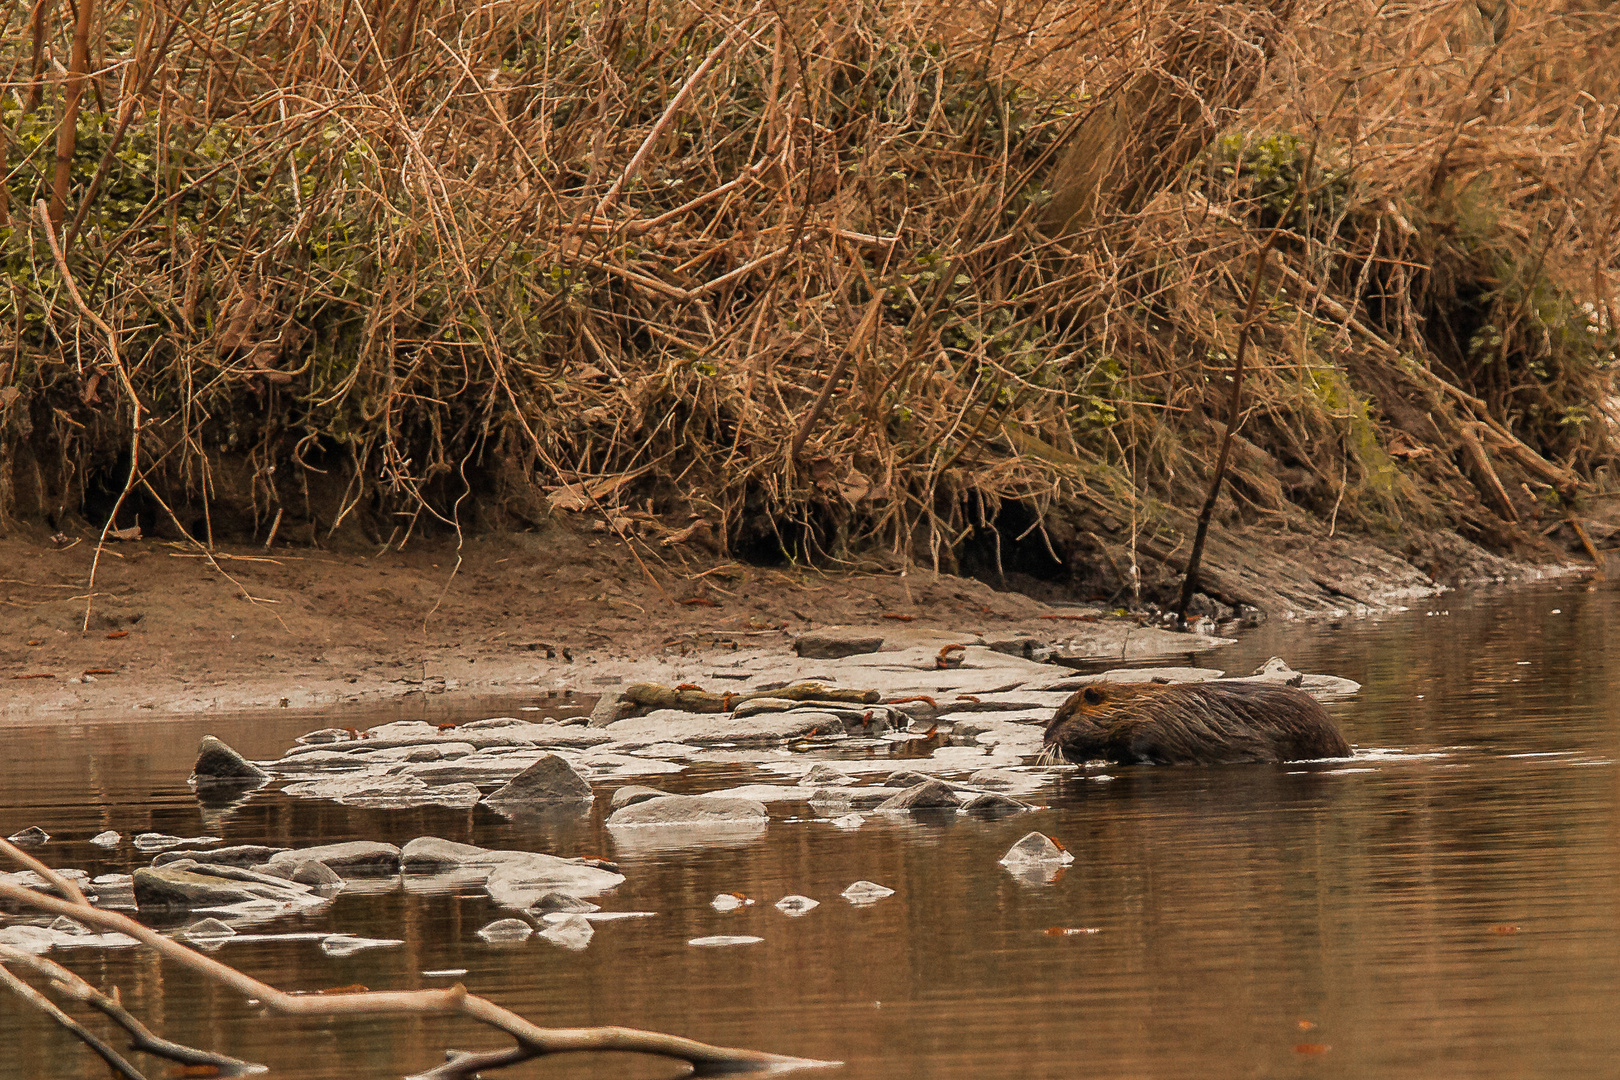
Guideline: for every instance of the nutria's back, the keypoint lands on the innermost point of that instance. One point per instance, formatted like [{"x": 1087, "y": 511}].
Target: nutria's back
[{"x": 1192, "y": 724}]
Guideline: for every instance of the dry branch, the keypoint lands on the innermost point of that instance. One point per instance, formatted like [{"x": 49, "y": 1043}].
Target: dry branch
[{"x": 532, "y": 1040}]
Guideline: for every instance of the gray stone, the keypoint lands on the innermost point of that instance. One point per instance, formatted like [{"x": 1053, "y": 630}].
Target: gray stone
[
  {"x": 243, "y": 855},
  {"x": 110, "y": 838},
  {"x": 218, "y": 763},
  {"x": 348, "y": 944},
  {"x": 32, "y": 836},
  {"x": 553, "y": 902},
  {"x": 994, "y": 802},
  {"x": 209, "y": 929},
  {"x": 835, "y": 644},
  {"x": 432, "y": 855},
  {"x": 822, "y": 774},
  {"x": 316, "y": 875},
  {"x": 1035, "y": 849},
  {"x": 797, "y": 905},
  {"x": 506, "y": 931},
  {"x": 905, "y": 778},
  {"x": 631, "y": 794},
  {"x": 687, "y": 810},
  {"x": 571, "y": 932},
  {"x": 150, "y": 841},
  {"x": 188, "y": 885},
  {"x": 610, "y": 707},
  {"x": 756, "y": 706},
  {"x": 551, "y": 779},
  {"x": 929, "y": 795},
  {"x": 699, "y": 729},
  {"x": 719, "y": 941},
  {"x": 357, "y": 858},
  {"x": 521, "y": 882},
  {"x": 866, "y": 892},
  {"x": 839, "y": 800},
  {"x": 323, "y": 736}
]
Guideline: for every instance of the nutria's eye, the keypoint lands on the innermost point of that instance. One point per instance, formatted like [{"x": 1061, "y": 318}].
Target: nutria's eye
[{"x": 1092, "y": 695}]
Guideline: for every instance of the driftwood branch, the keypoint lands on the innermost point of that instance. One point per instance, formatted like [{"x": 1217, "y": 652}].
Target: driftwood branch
[{"x": 532, "y": 1040}]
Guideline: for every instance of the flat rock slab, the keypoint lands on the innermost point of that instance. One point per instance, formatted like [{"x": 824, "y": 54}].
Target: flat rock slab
[
  {"x": 357, "y": 858},
  {"x": 688, "y": 810},
  {"x": 243, "y": 855},
  {"x": 522, "y": 882},
  {"x": 708, "y": 728},
  {"x": 833, "y": 643},
  {"x": 187, "y": 884}
]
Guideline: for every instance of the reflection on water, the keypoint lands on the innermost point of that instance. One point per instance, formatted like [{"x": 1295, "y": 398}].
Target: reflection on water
[{"x": 1233, "y": 906}]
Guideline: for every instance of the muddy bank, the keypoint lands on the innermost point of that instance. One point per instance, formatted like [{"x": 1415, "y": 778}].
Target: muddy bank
[{"x": 536, "y": 613}]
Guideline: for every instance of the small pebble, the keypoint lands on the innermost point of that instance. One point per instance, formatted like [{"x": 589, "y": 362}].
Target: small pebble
[{"x": 796, "y": 905}]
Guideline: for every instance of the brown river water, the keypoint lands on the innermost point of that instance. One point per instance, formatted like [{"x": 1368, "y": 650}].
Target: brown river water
[{"x": 1323, "y": 921}]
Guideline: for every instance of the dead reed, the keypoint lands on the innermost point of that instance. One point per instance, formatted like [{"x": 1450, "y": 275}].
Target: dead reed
[{"x": 831, "y": 276}]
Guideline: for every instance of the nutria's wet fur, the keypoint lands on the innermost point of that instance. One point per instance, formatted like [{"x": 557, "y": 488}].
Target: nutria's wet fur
[{"x": 1192, "y": 724}]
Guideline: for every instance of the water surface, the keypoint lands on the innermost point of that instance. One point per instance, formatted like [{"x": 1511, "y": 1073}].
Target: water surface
[{"x": 1312, "y": 921}]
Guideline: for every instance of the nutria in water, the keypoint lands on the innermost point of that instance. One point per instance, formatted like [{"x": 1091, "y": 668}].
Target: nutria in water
[{"x": 1191, "y": 724}]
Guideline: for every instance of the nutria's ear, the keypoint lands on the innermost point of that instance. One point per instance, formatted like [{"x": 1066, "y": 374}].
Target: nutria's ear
[{"x": 1093, "y": 695}]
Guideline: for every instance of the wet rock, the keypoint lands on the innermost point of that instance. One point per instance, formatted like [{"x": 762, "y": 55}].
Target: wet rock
[
  {"x": 848, "y": 821},
  {"x": 218, "y": 763},
  {"x": 835, "y": 644},
  {"x": 148, "y": 841},
  {"x": 506, "y": 931},
  {"x": 549, "y": 780},
  {"x": 432, "y": 855},
  {"x": 834, "y": 801},
  {"x": 824, "y": 775},
  {"x": 1276, "y": 670},
  {"x": 114, "y": 892},
  {"x": 796, "y": 905},
  {"x": 720, "y": 941},
  {"x": 610, "y": 707},
  {"x": 558, "y": 902},
  {"x": 929, "y": 795},
  {"x": 187, "y": 884},
  {"x": 348, "y": 944},
  {"x": 704, "y": 729},
  {"x": 358, "y": 858},
  {"x": 32, "y": 836},
  {"x": 687, "y": 810},
  {"x": 994, "y": 802},
  {"x": 631, "y": 794},
  {"x": 34, "y": 940},
  {"x": 27, "y": 879},
  {"x": 317, "y": 875},
  {"x": 756, "y": 706},
  {"x": 106, "y": 839},
  {"x": 866, "y": 892},
  {"x": 1135, "y": 675},
  {"x": 243, "y": 855},
  {"x": 570, "y": 932},
  {"x": 324, "y": 736},
  {"x": 906, "y": 778},
  {"x": 730, "y": 901},
  {"x": 420, "y": 752},
  {"x": 521, "y": 882},
  {"x": 206, "y": 930},
  {"x": 1036, "y": 849}
]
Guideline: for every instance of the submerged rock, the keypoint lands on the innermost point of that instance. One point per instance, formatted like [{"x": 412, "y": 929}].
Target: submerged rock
[
  {"x": 506, "y": 931},
  {"x": 206, "y": 930},
  {"x": 1036, "y": 849},
  {"x": 866, "y": 892},
  {"x": 187, "y": 884},
  {"x": 719, "y": 941},
  {"x": 149, "y": 841},
  {"x": 631, "y": 794},
  {"x": 928, "y": 795},
  {"x": 357, "y": 858},
  {"x": 823, "y": 775},
  {"x": 551, "y": 779},
  {"x": 32, "y": 836},
  {"x": 994, "y": 802},
  {"x": 348, "y": 944},
  {"x": 796, "y": 905},
  {"x": 848, "y": 821},
  {"x": 687, "y": 810},
  {"x": 218, "y": 763},
  {"x": 571, "y": 932},
  {"x": 243, "y": 855},
  {"x": 559, "y": 902},
  {"x": 521, "y": 882}
]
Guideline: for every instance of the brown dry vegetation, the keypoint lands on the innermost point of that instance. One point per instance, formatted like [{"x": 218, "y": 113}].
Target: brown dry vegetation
[{"x": 958, "y": 283}]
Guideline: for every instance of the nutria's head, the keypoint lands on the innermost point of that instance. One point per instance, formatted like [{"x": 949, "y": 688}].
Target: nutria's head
[{"x": 1080, "y": 729}]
